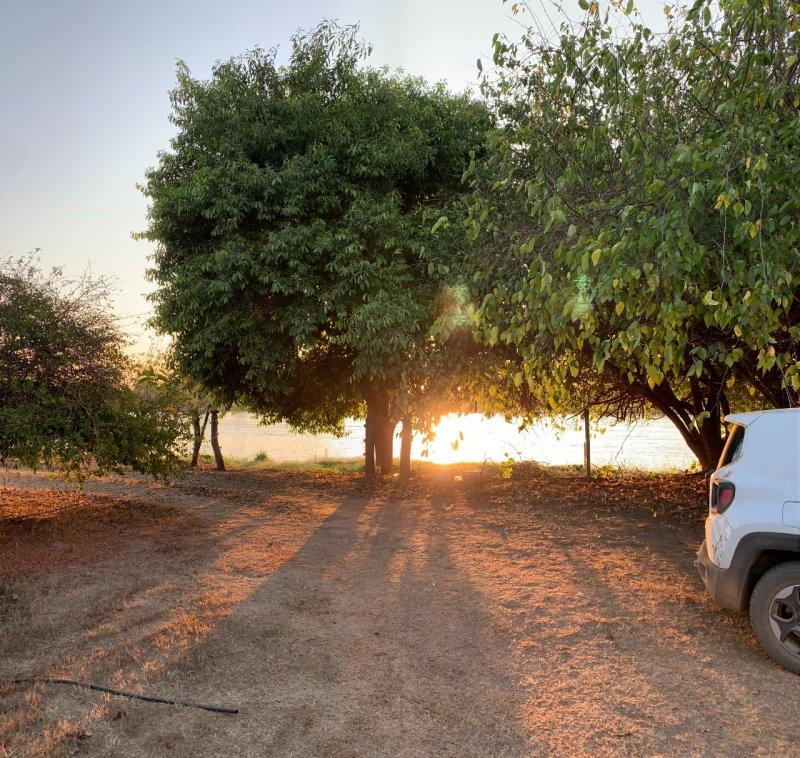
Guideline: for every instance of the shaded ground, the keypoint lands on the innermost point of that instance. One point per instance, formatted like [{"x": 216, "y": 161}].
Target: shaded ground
[{"x": 535, "y": 617}]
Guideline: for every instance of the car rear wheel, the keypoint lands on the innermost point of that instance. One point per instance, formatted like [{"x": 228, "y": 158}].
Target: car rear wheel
[{"x": 775, "y": 613}]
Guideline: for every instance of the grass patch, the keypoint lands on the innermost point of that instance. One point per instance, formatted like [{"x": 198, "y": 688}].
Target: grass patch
[
  {"x": 262, "y": 461},
  {"x": 535, "y": 470},
  {"x": 340, "y": 465},
  {"x": 354, "y": 465},
  {"x": 507, "y": 469}
]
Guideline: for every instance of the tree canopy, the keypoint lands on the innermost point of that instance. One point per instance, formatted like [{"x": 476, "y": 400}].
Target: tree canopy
[
  {"x": 67, "y": 396},
  {"x": 638, "y": 209},
  {"x": 292, "y": 218}
]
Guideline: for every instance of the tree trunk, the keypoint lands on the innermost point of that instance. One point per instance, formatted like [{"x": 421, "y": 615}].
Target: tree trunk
[
  {"x": 379, "y": 433},
  {"x": 706, "y": 441},
  {"x": 198, "y": 432},
  {"x": 385, "y": 454},
  {"x": 369, "y": 444},
  {"x": 405, "y": 447},
  {"x": 713, "y": 437},
  {"x": 215, "y": 441},
  {"x": 587, "y": 445}
]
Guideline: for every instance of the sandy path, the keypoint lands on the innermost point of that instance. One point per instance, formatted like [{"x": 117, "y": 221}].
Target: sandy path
[{"x": 342, "y": 621}]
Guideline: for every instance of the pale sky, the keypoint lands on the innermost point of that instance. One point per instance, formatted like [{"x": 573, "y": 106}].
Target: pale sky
[{"x": 84, "y": 101}]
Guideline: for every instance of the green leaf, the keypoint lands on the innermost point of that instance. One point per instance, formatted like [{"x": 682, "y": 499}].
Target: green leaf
[
  {"x": 696, "y": 369},
  {"x": 442, "y": 221}
]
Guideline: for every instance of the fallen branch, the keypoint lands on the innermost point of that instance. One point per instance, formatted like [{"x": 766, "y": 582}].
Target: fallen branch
[{"x": 122, "y": 693}]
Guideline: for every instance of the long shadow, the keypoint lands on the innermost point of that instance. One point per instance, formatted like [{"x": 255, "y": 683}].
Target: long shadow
[
  {"x": 176, "y": 572},
  {"x": 394, "y": 630},
  {"x": 619, "y": 639},
  {"x": 368, "y": 641}
]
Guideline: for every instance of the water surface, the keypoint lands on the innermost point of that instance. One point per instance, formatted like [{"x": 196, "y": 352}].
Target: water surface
[{"x": 653, "y": 445}]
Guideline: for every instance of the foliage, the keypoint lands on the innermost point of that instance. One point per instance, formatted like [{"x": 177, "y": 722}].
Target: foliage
[
  {"x": 193, "y": 406},
  {"x": 155, "y": 376},
  {"x": 65, "y": 397},
  {"x": 291, "y": 218},
  {"x": 639, "y": 210}
]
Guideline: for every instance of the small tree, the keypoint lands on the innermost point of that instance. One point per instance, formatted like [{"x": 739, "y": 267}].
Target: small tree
[
  {"x": 196, "y": 407},
  {"x": 67, "y": 396}
]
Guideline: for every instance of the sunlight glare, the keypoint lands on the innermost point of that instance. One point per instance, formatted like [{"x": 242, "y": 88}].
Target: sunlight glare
[{"x": 459, "y": 439}]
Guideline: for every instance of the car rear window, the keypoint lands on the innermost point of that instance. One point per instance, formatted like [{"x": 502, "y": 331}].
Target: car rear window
[{"x": 733, "y": 446}]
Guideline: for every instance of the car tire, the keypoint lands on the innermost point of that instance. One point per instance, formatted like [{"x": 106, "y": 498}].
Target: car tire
[{"x": 775, "y": 613}]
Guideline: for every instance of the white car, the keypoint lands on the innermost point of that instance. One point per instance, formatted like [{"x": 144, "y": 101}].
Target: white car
[{"x": 751, "y": 552}]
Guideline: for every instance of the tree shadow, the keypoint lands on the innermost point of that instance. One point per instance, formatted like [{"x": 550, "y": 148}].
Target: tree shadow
[{"x": 369, "y": 640}]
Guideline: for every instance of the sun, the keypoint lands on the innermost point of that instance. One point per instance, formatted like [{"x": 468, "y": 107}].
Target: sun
[{"x": 459, "y": 439}]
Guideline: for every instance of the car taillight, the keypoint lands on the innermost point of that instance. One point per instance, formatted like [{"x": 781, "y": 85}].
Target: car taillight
[{"x": 722, "y": 494}]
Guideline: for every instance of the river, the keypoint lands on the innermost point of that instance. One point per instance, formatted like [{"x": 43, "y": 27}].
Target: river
[{"x": 651, "y": 445}]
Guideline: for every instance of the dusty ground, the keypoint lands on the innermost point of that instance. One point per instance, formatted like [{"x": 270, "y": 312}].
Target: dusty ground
[{"x": 534, "y": 617}]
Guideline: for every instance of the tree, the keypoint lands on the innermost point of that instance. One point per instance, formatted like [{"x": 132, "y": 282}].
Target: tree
[
  {"x": 158, "y": 380},
  {"x": 291, "y": 218},
  {"x": 639, "y": 210},
  {"x": 67, "y": 398},
  {"x": 198, "y": 430}
]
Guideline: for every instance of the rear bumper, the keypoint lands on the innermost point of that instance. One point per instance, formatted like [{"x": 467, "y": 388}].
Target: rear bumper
[{"x": 726, "y": 586}]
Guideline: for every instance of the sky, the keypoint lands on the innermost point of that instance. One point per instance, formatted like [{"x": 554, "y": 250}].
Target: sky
[{"x": 84, "y": 97}]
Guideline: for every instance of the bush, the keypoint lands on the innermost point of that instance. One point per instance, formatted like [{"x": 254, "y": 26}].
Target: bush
[{"x": 67, "y": 395}]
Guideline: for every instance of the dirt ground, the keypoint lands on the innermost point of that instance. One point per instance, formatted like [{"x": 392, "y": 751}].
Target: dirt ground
[{"x": 531, "y": 617}]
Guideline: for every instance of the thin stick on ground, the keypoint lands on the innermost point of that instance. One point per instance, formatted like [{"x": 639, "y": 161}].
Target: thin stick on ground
[{"x": 123, "y": 693}]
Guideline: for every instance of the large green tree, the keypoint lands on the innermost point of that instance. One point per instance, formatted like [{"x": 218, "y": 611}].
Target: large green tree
[
  {"x": 292, "y": 223},
  {"x": 640, "y": 210},
  {"x": 68, "y": 397}
]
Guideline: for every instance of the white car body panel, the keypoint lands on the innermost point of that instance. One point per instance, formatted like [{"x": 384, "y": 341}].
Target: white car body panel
[
  {"x": 791, "y": 514},
  {"x": 766, "y": 474}
]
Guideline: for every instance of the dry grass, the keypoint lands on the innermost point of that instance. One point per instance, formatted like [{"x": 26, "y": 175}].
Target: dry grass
[{"x": 343, "y": 617}]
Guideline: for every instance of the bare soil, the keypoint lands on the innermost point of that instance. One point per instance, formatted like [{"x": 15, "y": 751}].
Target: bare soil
[{"x": 532, "y": 617}]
